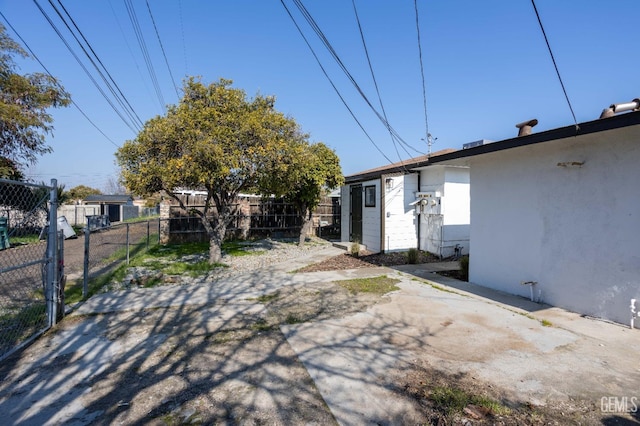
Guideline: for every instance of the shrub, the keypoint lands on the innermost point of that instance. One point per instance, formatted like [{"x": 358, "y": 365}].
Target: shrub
[
  {"x": 355, "y": 248},
  {"x": 464, "y": 267},
  {"x": 412, "y": 256}
]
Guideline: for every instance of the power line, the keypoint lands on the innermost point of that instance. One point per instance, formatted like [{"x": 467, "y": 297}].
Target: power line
[
  {"x": 424, "y": 90},
  {"x": 84, "y": 68},
  {"x": 173, "y": 80},
  {"x": 133, "y": 57},
  {"x": 145, "y": 52},
  {"x": 305, "y": 13},
  {"x": 375, "y": 82},
  {"x": 554, "y": 62},
  {"x": 51, "y": 75},
  {"x": 331, "y": 81},
  {"x": 120, "y": 97}
]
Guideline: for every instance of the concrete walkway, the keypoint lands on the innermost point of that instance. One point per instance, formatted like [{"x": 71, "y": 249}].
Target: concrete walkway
[{"x": 357, "y": 361}]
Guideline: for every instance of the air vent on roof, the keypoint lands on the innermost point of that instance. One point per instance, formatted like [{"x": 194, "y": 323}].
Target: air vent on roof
[
  {"x": 524, "y": 128},
  {"x": 475, "y": 143},
  {"x": 613, "y": 109}
]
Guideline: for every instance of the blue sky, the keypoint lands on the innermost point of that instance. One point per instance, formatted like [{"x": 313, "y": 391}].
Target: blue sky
[{"x": 486, "y": 68}]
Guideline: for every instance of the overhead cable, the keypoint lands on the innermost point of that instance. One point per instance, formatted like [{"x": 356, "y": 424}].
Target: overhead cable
[
  {"x": 110, "y": 82},
  {"x": 51, "y": 75},
  {"x": 331, "y": 81},
  {"x": 375, "y": 82},
  {"x": 84, "y": 68},
  {"x": 554, "y": 63},
  {"x": 305, "y": 13},
  {"x": 424, "y": 90},
  {"x": 173, "y": 80},
  {"x": 145, "y": 52}
]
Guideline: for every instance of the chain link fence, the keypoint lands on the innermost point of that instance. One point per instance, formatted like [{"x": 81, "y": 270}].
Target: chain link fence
[
  {"x": 31, "y": 263},
  {"x": 97, "y": 252}
]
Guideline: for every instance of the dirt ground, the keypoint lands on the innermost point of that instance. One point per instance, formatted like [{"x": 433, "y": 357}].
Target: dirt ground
[{"x": 229, "y": 363}]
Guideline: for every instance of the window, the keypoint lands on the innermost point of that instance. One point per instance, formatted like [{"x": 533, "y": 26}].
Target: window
[{"x": 370, "y": 196}]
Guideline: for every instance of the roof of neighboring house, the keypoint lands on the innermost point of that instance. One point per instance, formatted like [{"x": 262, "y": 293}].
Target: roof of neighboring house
[
  {"x": 455, "y": 156},
  {"x": 108, "y": 199},
  {"x": 400, "y": 167}
]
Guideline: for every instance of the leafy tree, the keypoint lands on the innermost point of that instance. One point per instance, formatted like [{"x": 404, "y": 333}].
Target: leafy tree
[
  {"x": 215, "y": 139},
  {"x": 81, "y": 192},
  {"x": 10, "y": 170},
  {"x": 24, "y": 100},
  {"x": 307, "y": 172}
]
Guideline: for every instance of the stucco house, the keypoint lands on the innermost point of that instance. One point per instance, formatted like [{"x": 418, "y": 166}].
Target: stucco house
[
  {"x": 411, "y": 204},
  {"x": 555, "y": 215}
]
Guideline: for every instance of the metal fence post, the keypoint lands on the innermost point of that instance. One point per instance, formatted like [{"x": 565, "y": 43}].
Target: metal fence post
[
  {"x": 159, "y": 221},
  {"x": 85, "y": 280},
  {"x": 52, "y": 256},
  {"x": 127, "y": 243},
  {"x": 148, "y": 235}
]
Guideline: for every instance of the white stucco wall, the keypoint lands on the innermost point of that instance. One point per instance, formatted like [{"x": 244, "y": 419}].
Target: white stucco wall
[
  {"x": 574, "y": 230},
  {"x": 447, "y": 225},
  {"x": 400, "y": 218}
]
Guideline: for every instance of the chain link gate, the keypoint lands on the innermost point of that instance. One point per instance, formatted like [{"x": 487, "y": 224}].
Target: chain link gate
[{"x": 31, "y": 263}]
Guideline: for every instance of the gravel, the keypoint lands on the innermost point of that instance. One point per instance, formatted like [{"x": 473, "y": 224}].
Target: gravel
[{"x": 266, "y": 252}]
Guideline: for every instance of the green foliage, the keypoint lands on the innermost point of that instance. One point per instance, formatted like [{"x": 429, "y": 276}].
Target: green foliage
[
  {"x": 464, "y": 268},
  {"x": 376, "y": 285},
  {"x": 215, "y": 139},
  {"x": 24, "y": 100},
  {"x": 81, "y": 192},
  {"x": 412, "y": 256},
  {"x": 354, "y": 249},
  {"x": 451, "y": 400},
  {"x": 303, "y": 175}
]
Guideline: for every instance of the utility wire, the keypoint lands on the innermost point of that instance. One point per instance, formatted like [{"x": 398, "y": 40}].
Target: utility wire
[
  {"x": 424, "y": 90},
  {"x": 305, "y": 13},
  {"x": 145, "y": 52},
  {"x": 554, "y": 63},
  {"x": 133, "y": 57},
  {"x": 173, "y": 80},
  {"x": 331, "y": 81},
  {"x": 375, "y": 82},
  {"x": 84, "y": 68},
  {"x": 58, "y": 84},
  {"x": 120, "y": 97}
]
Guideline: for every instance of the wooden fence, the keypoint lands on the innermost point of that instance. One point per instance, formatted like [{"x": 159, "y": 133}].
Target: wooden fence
[{"x": 254, "y": 217}]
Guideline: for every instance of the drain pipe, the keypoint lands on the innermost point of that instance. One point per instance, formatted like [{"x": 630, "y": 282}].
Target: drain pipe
[
  {"x": 530, "y": 284},
  {"x": 634, "y": 314}
]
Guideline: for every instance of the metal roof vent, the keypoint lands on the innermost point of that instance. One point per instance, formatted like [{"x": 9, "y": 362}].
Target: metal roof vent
[
  {"x": 613, "y": 109},
  {"x": 524, "y": 128}
]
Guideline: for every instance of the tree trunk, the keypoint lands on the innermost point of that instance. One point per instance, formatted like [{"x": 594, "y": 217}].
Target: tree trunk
[
  {"x": 306, "y": 226},
  {"x": 216, "y": 238}
]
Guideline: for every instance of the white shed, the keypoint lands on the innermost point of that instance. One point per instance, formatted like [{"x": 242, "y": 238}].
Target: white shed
[{"x": 560, "y": 211}]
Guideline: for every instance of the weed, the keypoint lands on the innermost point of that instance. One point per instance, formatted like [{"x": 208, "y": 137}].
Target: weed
[
  {"x": 450, "y": 400},
  {"x": 464, "y": 268},
  {"x": 546, "y": 323},
  {"x": 266, "y": 298},
  {"x": 292, "y": 319},
  {"x": 355, "y": 248},
  {"x": 412, "y": 256},
  {"x": 263, "y": 325},
  {"x": 377, "y": 285}
]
